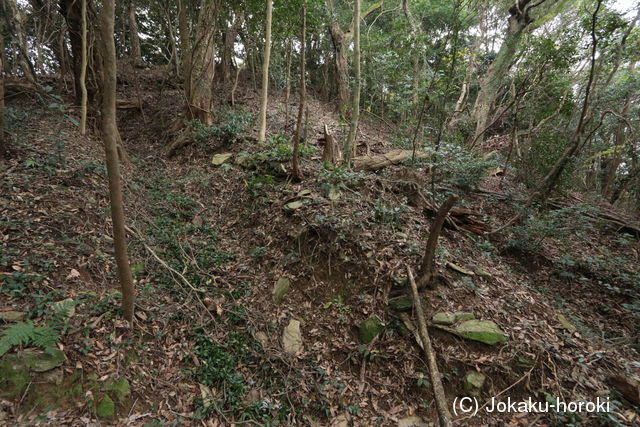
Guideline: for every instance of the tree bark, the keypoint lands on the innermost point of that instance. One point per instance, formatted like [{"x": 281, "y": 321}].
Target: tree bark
[
  {"x": 427, "y": 269},
  {"x": 83, "y": 70},
  {"x": 265, "y": 74},
  {"x": 110, "y": 135},
  {"x": 134, "y": 38},
  {"x": 4, "y": 141},
  {"x": 297, "y": 173},
  {"x": 351, "y": 144},
  {"x": 201, "y": 68}
]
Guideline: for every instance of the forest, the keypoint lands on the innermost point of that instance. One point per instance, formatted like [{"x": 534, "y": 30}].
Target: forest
[{"x": 320, "y": 212}]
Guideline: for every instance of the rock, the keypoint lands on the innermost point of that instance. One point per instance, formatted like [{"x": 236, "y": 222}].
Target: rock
[
  {"x": 473, "y": 383},
  {"x": 280, "y": 288},
  {"x": 119, "y": 387},
  {"x": 482, "y": 273},
  {"x": 244, "y": 160},
  {"x": 412, "y": 421},
  {"x": 460, "y": 269},
  {"x": 105, "y": 408},
  {"x": 401, "y": 235},
  {"x": 566, "y": 324},
  {"x": 292, "y": 206},
  {"x": 334, "y": 193},
  {"x": 369, "y": 329},
  {"x": 402, "y": 303},
  {"x": 12, "y": 316},
  {"x": 39, "y": 361},
  {"x": 14, "y": 378},
  {"x": 219, "y": 159},
  {"x": 462, "y": 316},
  {"x": 54, "y": 376},
  {"x": 291, "y": 337},
  {"x": 444, "y": 318},
  {"x": 484, "y": 331},
  {"x": 304, "y": 193}
]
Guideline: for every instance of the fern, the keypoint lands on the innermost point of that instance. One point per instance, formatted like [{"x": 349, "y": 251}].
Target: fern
[{"x": 25, "y": 333}]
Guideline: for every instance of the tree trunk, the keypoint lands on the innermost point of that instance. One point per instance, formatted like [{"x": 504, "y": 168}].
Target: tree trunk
[
  {"x": 18, "y": 20},
  {"x": 351, "y": 144},
  {"x": 228, "y": 49},
  {"x": 201, "y": 69},
  {"x": 185, "y": 50},
  {"x": 4, "y": 141},
  {"x": 427, "y": 268},
  {"x": 110, "y": 135},
  {"x": 83, "y": 71},
  {"x": 340, "y": 46},
  {"x": 265, "y": 74},
  {"x": 134, "y": 38},
  {"x": 297, "y": 173}
]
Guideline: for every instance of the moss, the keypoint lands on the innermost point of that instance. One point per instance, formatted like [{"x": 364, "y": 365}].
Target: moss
[
  {"x": 13, "y": 380},
  {"x": 119, "y": 388},
  {"x": 105, "y": 408}
]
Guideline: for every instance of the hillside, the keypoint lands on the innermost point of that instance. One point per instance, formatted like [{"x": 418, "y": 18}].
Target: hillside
[{"x": 228, "y": 253}]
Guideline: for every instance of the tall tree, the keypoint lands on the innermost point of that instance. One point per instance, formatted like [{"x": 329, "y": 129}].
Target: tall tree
[
  {"x": 519, "y": 19},
  {"x": 297, "y": 173},
  {"x": 265, "y": 73},
  {"x": 83, "y": 71},
  {"x": 3, "y": 140},
  {"x": 134, "y": 37},
  {"x": 200, "y": 68},
  {"x": 350, "y": 144},
  {"x": 341, "y": 40},
  {"x": 110, "y": 137}
]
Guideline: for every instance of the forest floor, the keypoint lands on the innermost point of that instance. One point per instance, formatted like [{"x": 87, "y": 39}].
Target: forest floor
[{"x": 208, "y": 244}]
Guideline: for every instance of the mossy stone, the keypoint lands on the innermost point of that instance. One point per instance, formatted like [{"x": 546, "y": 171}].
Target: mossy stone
[
  {"x": 105, "y": 408},
  {"x": 473, "y": 383},
  {"x": 444, "y": 318},
  {"x": 369, "y": 329},
  {"x": 14, "y": 379},
  {"x": 119, "y": 387},
  {"x": 402, "y": 303},
  {"x": 484, "y": 331},
  {"x": 39, "y": 361},
  {"x": 280, "y": 288}
]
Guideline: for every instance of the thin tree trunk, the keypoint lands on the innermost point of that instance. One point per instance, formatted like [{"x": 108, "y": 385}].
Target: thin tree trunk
[
  {"x": 83, "y": 71},
  {"x": 136, "y": 52},
  {"x": 287, "y": 84},
  {"x": 265, "y": 74},
  {"x": 427, "y": 268},
  {"x": 351, "y": 145},
  {"x": 109, "y": 135},
  {"x": 185, "y": 50},
  {"x": 4, "y": 141},
  {"x": 297, "y": 173}
]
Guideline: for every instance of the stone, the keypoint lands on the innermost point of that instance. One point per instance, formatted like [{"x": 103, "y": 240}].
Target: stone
[
  {"x": 482, "y": 273},
  {"x": 292, "y": 338},
  {"x": 460, "y": 269},
  {"x": 66, "y": 307},
  {"x": 412, "y": 421},
  {"x": 219, "y": 159},
  {"x": 369, "y": 329},
  {"x": 292, "y": 206},
  {"x": 485, "y": 331},
  {"x": 14, "y": 379},
  {"x": 473, "y": 382},
  {"x": 54, "y": 376},
  {"x": 39, "y": 361},
  {"x": 105, "y": 408},
  {"x": 402, "y": 303},
  {"x": 281, "y": 288},
  {"x": 119, "y": 387},
  {"x": 566, "y": 324},
  {"x": 12, "y": 316},
  {"x": 462, "y": 316},
  {"x": 334, "y": 193},
  {"x": 444, "y": 318},
  {"x": 244, "y": 160}
]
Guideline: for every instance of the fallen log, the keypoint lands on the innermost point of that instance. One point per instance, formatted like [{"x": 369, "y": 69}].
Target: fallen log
[{"x": 380, "y": 161}]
